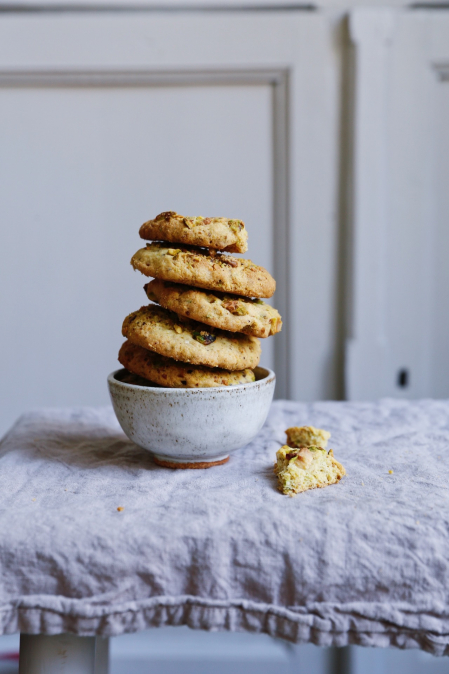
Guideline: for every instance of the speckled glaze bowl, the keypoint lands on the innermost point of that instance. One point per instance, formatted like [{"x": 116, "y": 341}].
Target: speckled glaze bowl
[{"x": 192, "y": 428}]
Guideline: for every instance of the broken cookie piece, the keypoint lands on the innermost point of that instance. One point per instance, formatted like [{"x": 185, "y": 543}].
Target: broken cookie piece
[
  {"x": 306, "y": 436},
  {"x": 299, "y": 469}
]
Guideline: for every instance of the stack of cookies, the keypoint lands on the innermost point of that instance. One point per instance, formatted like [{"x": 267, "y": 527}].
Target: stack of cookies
[{"x": 207, "y": 316}]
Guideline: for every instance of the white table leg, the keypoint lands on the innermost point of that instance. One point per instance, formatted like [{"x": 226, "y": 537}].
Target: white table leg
[
  {"x": 58, "y": 654},
  {"x": 101, "y": 655}
]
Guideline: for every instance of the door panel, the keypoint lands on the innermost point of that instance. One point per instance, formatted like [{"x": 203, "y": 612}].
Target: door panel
[
  {"x": 85, "y": 168},
  {"x": 399, "y": 331},
  {"x": 439, "y": 375}
]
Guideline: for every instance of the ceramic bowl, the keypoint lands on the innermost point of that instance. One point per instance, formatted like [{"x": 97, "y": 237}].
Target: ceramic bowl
[{"x": 191, "y": 428}]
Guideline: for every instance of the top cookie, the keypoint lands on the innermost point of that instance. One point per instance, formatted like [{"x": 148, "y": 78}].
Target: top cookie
[
  {"x": 217, "y": 233},
  {"x": 228, "y": 312},
  {"x": 196, "y": 267}
]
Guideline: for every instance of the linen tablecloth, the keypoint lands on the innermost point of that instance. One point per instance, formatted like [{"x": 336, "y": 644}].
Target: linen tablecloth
[{"x": 363, "y": 562}]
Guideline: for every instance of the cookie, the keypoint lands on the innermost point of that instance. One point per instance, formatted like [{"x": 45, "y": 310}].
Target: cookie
[
  {"x": 305, "y": 436},
  {"x": 160, "y": 330},
  {"x": 306, "y": 468},
  {"x": 171, "y": 373},
  {"x": 228, "y": 312},
  {"x": 196, "y": 267},
  {"x": 217, "y": 233}
]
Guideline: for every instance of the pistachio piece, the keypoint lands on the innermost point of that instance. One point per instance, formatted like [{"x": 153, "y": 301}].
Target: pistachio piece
[
  {"x": 203, "y": 337},
  {"x": 231, "y": 261},
  {"x": 173, "y": 251},
  {"x": 302, "y": 456},
  {"x": 305, "y": 457},
  {"x": 235, "y": 307},
  {"x": 236, "y": 225},
  {"x": 274, "y": 325},
  {"x": 166, "y": 215}
]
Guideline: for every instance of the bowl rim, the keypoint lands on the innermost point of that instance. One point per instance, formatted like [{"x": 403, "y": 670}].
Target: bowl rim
[{"x": 270, "y": 377}]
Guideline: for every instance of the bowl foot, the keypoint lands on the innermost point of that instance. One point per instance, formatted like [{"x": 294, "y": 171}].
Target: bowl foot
[{"x": 188, "y": 464}]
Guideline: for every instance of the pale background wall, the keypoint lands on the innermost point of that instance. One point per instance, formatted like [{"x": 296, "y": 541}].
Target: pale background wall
[
  {"x": 332, "y": 146},
  {"x": 105, "y": 124}
]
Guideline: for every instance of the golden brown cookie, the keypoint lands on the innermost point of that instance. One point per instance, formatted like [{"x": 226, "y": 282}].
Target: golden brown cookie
[
  {"x": 306, "y": 468},
  {"x": 196, "y": 267},
  {"x": 174, "y": 374},
  {"x": 305, "y": 436},
  {"x": 217, "y": 233},
  {"x": 159, "y": 330},
  {"x": 227, "y": 312}
]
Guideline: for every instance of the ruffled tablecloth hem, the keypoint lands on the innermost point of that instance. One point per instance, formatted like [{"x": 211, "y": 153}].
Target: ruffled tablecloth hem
[{"x": 275, "y": 621}]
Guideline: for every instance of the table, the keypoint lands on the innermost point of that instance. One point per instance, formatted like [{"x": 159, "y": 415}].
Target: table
[{"x": 362, "y": 562}]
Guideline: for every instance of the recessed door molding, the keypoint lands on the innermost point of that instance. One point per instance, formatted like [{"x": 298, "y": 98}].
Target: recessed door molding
[{"x": 276, "y": 79}]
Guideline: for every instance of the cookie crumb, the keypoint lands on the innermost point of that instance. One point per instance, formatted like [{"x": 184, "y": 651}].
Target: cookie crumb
[{"x": 120, "y": 509}]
